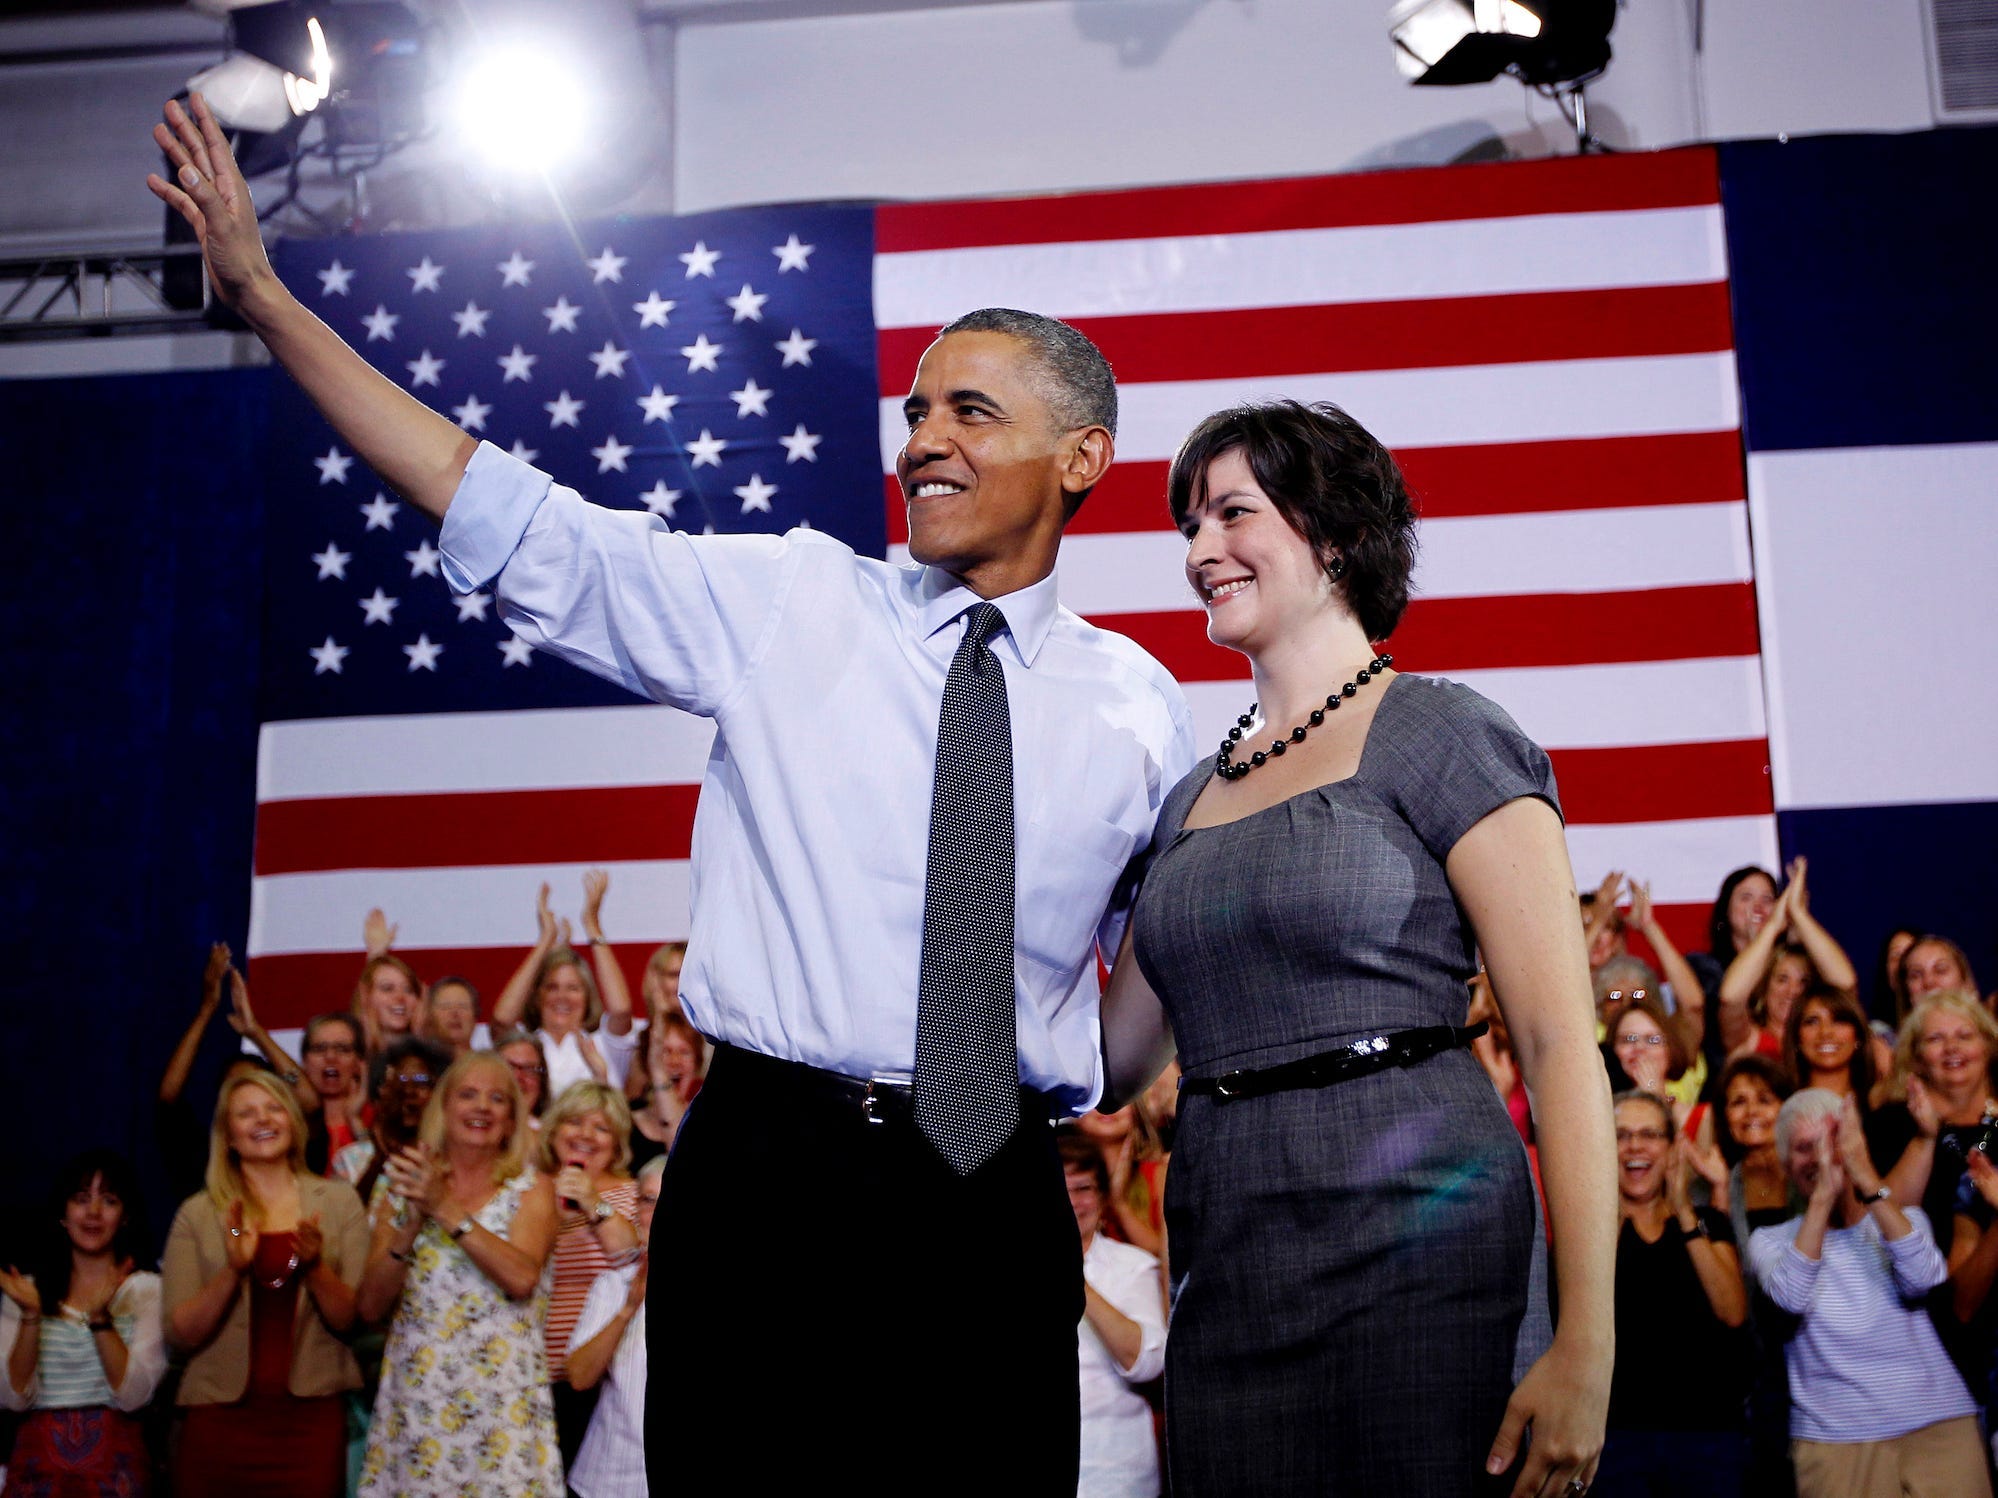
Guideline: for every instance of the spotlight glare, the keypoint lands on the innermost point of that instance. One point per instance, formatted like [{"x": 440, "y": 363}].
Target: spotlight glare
[
  {"x": 522, "y": 107},
  {"x": 307, "y": 94}
]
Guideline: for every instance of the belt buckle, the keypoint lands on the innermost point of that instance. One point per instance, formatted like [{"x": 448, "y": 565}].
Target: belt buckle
[
  {"x": 870, "y": 1106},
  {"x": 1226, "y": 1084}
]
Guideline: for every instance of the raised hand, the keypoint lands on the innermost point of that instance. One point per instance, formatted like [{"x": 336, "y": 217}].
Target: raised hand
[
  {"x": 1708, "y": 1163},
  {"x": 1679, "y": 1179},
  {"x": 212, "y": 975},
  {"x": 376, "y": 932},
  {"x": 544, "y": 920},
  {"x": 309, "y": 1241},
  {"x": 1795, "y": 888},
  {"x": 22, "y": 1290},
  {"x": 1640, "y": 905},
  {"x": 1607, "y": 891},
  {"x": 595, "y": 883},
  {"x": 242, "y": 1019},
  {"x": 565, "y": 935},
  {"x": 1648, "y": 1072},
  {"x": 209, "y": 192},
  {"x": 239, "y": 1238},
  {"x": 1852, "y": 1151},
  {"x": 1983, "y": 1175},
  {"x": 413, "y": 1177},
  {"x": 1922, "y": 1108},
  {"x": 1831, "y": 1176}
]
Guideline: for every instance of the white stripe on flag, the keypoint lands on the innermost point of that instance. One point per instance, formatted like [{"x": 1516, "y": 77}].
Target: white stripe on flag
[
  {"x": 1576, "y": 707},
  {"x": 1684, "y": 862},
  {"x": 1297, "y": 267},
  {"x": 1548, "y": 400},
  {"x": 1480, "y": 556},
  {"x": 475, "y": 906},
  {"x": 441, "y": 753}
]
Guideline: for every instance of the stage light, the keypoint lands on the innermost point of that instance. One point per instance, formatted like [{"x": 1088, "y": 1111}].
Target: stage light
[
  {"x": 279, "y": 69},
  {"x": 1541, "y": 42},
  {"x": 522, "y": 106}
]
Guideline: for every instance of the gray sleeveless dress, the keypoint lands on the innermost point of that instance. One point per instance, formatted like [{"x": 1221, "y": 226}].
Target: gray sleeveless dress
[{"x": 1350, "y": 1264}]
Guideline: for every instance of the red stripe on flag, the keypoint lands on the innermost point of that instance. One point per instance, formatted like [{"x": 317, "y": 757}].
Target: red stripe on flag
[
  {"x": 1685, "y": 924},
  {"x": 1496, "y": 479},
  {"x": 1440, "y": 635},
  {"x": 1665, "y": 782},
  {"x": 1574, "y": 184},
  {"x": 1433, "y": 332},
  {"x": 615, "y": 824},
  {"x": 289, "y": 988}
]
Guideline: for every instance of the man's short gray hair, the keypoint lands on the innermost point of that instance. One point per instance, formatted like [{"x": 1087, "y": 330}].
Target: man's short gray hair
[
  {"x": 1804, "y": 1107},
  {"x": 1080, "y": 389}
]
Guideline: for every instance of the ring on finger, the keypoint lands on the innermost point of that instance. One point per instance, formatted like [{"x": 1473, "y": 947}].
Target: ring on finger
[{"x": 1576, "y": 1487}]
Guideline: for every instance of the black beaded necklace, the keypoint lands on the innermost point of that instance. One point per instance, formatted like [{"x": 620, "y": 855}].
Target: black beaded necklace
[{"x": 1229, "y": 770}]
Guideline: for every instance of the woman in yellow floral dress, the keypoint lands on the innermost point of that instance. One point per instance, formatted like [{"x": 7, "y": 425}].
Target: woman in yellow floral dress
[{"x": 461, "y": 1257}]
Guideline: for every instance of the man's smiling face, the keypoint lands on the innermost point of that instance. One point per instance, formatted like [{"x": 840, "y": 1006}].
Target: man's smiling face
[{"x": 982, "y": 472}]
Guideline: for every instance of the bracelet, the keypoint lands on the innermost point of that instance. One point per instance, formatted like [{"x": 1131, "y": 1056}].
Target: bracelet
[
  {"x": 106, "y": 1325},
  {"x": 600, "y": 941}
]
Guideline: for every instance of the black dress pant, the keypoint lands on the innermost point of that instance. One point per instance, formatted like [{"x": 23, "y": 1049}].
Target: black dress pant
[{"x": 830, "y": 1308}]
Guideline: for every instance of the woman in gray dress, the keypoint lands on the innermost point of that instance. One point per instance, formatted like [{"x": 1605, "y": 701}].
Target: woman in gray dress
[{"x": 1350, "y": 1217}]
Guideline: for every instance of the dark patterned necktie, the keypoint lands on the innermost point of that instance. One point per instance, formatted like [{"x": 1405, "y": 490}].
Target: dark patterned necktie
[{"x": 967, "y": 1055}]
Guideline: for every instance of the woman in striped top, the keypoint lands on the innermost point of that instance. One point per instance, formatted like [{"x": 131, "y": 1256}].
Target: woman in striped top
[
  {"x": 80, "y": 1342},
  {"x": 586, "y": 1145},
  {"x": 1876, "y": 1405}
]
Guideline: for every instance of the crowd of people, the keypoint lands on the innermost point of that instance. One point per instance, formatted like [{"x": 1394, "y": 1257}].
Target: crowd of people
[{"x": 412, "y": 1258}]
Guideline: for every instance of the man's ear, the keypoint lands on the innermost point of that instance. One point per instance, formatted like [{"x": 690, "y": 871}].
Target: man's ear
[{"x": 1088, "y": 460}]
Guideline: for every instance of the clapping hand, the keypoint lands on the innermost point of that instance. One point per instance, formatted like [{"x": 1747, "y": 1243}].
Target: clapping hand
[
  {"x": 1852, "y": 1152},
  {"x": 22, "y": 1290},
  {"x": 1830, "y": 1185},
  {"x": 1708, "y": 1163},
  {"x": 544, "y": 920},
  {"x": 595, "y": 884},
  {"x": 1640, "y": 905},
  {"x": 308, "y": 1241},
  {"x": 414, "y": 1177},
  {"x": 90, "y": 1303},
  {"x": 242, "y": 1019},
  {"x": 1983, "y": 1175},
  {"x": 1798, "y": 892},
  {"x": 210, "y": 193},
  {"x": 239, "y": 1240},
  {"x": 592, "y": 1057},
  {"x": 212, "y": 975},
  {"x": 1648, "y": 1071},
  {"x": 1922, "y": 1108}
]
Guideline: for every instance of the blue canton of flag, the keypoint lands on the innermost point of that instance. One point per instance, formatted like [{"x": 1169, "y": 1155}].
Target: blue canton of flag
[{"x": 716, "y": 370}]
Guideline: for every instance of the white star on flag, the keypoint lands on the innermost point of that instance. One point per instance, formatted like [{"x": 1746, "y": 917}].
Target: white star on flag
[
  {"x": 472, "y": 414},
  {"x": 609, "y": 360},
  {"x": 611, "y": 455},
  {"x": 523, "y": 452},
  {"x": 801, "y": 444},
  {"x": 379, "y": 608},
  {"x": 519, "y": 365},
  {"x": 334, "y": 281},
  {"x": 423, "y": 561},
  {"x": 751, "y": 400},
  {"x": 658, "y": 406},
  {"x": 473, "y": 606},
  {"x": 606, "y": 267},
  {"x": 797, "y": 349},
  {"x": 333, "y": 467},
  {"x": 327, "y": 657},
  {"x": 515, "y": 270},
  {"x": 791, "y": 255},
  {"x": 755, "y": 495},
  {"x": 380, "y": 512},
  {"x": 332, "y": 562},
  {"x": 471, "y": 320},
  {"x": 652, "y": 311},
  {"x": 748, "y": 304},
  {"x": 423, "y": 655},
  {"x": 516, "y": 651},
  {"x": 562, "y": 316},
  {"x": 424, "y": 277},
  {"x": 660, "y": 500},
  {"x": 700, "y": 260},
  {"x": 563, "y": 410},
  {"x": 380, "y": 323},
  {"x": 424, "y": 370},
  {"x": 701, "y": 354},
  {"x": 706, "y": 449}
]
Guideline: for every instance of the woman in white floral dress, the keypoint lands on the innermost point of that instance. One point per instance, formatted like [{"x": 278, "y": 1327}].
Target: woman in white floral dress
[{"x": 461, "y": 1257}]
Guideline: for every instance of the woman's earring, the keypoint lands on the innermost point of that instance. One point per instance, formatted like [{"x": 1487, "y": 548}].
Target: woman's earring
[{"x": 1337, "y": 570}]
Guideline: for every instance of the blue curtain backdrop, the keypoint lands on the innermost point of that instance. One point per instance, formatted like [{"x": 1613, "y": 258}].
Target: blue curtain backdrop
[{"x": 133, "y": 545}]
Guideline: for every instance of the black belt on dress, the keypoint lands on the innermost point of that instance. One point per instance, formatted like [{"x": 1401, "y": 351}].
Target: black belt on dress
[
  {"x": 876, "y": 1100},
  {"x": 1356, "y": 1059}
]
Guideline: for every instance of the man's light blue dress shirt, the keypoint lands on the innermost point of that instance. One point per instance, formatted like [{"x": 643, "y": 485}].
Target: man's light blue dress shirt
[{"x": 824, "y": 672}]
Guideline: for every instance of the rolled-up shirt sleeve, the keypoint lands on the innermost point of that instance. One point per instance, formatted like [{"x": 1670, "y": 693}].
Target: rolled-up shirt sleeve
[
  {"x": 1918, "y": 1264},
  {"x": 672, "y": 617}
]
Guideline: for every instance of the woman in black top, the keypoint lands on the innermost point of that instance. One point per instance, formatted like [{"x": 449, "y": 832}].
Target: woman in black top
[{"x": 1677, "y": 1421}]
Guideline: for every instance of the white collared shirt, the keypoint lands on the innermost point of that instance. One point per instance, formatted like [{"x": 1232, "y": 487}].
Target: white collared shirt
[
  {"x": 824, "y": 672},
  {"x": 611, "y": 1461},
  {"x": 1120, "y": 1453}
]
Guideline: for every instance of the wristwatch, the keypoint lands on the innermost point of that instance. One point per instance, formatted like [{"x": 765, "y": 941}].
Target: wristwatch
[
  {"x": 603, "y": 1211},
  {"x": 1881, "y": 1195},
  {"x": 1699, "y": 1229},
  {"x": 463, "y": 1228}
]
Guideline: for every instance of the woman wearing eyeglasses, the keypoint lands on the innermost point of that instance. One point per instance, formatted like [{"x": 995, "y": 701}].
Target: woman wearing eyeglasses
[
  {"x": 1677, "y": 1422},
  {"x": 1645, "y": 1050}
]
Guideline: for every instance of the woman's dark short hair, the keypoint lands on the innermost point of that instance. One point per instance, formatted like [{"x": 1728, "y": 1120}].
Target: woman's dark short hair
[
  {"x": 1770, "y": 1072},
  {"x": 429, "y": 1052},
  {"x": 52, "y": 1261},
  {"x": 1079, "y": 1152},
  {"x": 1328, "y": 476}
]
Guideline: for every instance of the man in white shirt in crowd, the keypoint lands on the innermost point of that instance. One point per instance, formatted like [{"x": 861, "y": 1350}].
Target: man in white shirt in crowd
[
  {"x": 930, "y": 789},
  {"x": 1120, "y": 1339}
]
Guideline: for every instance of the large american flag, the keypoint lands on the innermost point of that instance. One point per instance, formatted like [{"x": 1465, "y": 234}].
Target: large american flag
[{"x": 1546, "y": 346}]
